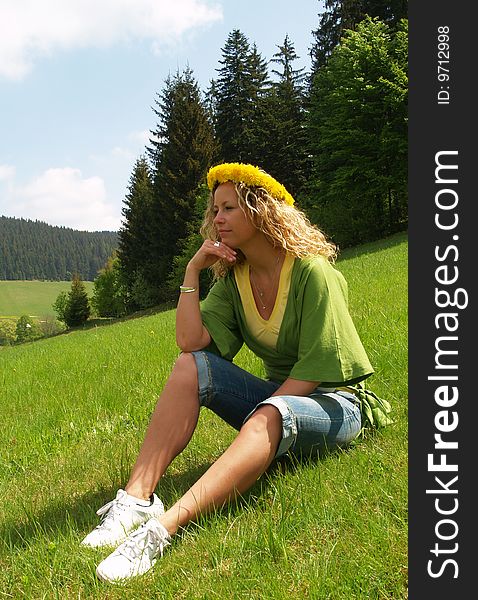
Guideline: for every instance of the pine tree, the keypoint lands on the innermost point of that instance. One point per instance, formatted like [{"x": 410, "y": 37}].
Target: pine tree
[
  {"x": 136, "y": 232},
  {"x": 240, "y": 89},
  {"x": 78, "y": 306},
  {"x": 285, "y": 154},
  {"x": 257, "y": 136},
  {"x": 210, "y": 106},
  {"x": 182, "y": 154}
]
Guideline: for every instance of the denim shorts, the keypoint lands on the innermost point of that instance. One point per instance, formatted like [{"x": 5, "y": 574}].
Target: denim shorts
[{"x": 325, "y": 419}]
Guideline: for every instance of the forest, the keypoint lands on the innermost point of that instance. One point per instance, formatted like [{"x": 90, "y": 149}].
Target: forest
[{"x": 36, "y": 250}]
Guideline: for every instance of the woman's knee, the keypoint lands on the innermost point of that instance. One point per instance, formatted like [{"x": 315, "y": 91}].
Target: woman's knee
[
  {"x": 264, "y": 426},
  {"x": 265, "y": 418},
  {"x": 182, "y": 383},
  {"x": 185, "y": 371},
  {"x": 185, "y": 360}
]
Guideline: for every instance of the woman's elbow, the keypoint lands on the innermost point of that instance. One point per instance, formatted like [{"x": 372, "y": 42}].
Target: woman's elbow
[
  {"x": 188, "y": 344},
  {"x": 184, "y": 344},
  {"x": 187, "y": 347}
]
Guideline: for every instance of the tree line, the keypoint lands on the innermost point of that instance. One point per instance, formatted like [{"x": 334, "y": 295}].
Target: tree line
[
  {"x": 35, "y": 250},
  {"x": 335, "y": 137}
]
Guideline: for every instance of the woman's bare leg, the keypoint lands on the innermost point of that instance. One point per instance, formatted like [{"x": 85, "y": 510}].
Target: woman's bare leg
[
  {"x": 234, "y": 472},
  {"x": 170, "y": 428}
]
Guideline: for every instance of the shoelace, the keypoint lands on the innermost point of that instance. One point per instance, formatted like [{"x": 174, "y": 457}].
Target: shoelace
[
  {"x": 110, "y": 510},
  {"x": 145, "y": 536}
]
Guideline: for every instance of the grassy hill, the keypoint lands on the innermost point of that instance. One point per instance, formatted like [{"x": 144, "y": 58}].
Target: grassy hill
[
  {"x": 74, "y": 409},
  {"x": 33, "y": 298}
]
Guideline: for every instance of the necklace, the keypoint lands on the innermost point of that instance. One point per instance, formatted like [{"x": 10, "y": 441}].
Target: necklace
[{"x": 258, "y": 289}]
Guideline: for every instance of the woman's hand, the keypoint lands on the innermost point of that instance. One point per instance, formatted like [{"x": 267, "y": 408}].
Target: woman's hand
[
  {"x": 190, "y": 332},
  {"x": 209, "y": 253}
]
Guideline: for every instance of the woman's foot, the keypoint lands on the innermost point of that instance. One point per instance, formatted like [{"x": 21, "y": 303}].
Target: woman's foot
[
  {"x": 119, "y": 517},
  {"x": 137, "y": 554}
]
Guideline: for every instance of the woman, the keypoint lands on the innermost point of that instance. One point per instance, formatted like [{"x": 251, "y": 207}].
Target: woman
[{"x": 276, "y": 291}]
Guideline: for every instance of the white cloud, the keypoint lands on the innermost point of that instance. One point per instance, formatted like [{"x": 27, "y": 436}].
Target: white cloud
[
  {"x": 122, "y": 157},
  {"x": 29, "y": 28},
  {"x": 64, "y": 197},
  {"x": 141, "y": 137},
  {"x": 123, "y": 153},
  {"x": 7, "y": 172}
]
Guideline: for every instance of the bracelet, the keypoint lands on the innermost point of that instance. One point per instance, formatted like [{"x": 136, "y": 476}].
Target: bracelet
[{"x": 184, "y": 289}]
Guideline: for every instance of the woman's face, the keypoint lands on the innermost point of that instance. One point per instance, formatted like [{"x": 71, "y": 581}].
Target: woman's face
[{"x": 233, "y": 226}]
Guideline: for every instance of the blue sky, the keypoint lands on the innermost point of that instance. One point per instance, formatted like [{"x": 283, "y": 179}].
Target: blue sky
[{"x": 78, "y": 79}]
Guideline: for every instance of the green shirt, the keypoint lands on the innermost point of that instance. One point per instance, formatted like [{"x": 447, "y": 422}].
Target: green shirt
[{"x": 317, "y": 339}]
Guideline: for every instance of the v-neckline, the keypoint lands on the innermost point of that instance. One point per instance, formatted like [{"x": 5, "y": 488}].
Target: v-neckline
[{"x": 251, "y": 292}]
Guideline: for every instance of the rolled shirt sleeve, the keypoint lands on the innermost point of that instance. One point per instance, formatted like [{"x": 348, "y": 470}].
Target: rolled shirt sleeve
[{"x": 219, "y": 318}]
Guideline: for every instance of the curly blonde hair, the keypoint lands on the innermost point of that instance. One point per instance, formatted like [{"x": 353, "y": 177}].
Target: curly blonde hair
[{"x": 283, "y": 225}]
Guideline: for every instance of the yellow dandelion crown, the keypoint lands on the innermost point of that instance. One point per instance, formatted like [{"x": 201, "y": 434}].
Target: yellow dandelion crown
[{"x": 250, "y": 175}]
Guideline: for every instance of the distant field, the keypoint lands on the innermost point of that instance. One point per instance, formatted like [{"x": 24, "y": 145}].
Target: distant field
[{"x": 33, "y": 298}]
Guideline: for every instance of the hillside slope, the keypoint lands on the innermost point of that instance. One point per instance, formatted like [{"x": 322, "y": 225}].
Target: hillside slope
[{"x": 74, "y": 410}]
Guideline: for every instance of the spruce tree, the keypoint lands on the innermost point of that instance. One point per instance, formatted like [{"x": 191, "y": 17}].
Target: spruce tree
[
  {"x": 135, "y": 234},
  {"x": 210, "y": 106},
  {"x": 232, "y": 100},
  {"x": 182, "y": 153},
  {"x": 240, "y": 88},
  {"x": 190, "y": 245},
  {"x": 257, "y": 137},
  {"x": 285, "y": 154},
  {"x": 78, "y": 306}
]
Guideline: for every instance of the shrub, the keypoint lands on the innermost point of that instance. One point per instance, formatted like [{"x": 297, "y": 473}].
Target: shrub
[
  {"x": 50, "y": 326},
  {"x": 60, "y": 306},
  {"x": 26, "y": 330},
  {"x": 7, "y": 332},
  {"x": 108, "y": 298}
]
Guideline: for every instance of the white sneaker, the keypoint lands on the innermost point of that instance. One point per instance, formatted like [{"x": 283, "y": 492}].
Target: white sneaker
[
  {"x": 119, "y": 517},
  {"x": 137, "y": 554}
]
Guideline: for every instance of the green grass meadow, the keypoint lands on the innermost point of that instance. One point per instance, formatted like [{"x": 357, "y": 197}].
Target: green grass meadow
[
  {"x": 33, "y": 298},
  {"x": 74, "y": 410}
]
